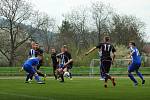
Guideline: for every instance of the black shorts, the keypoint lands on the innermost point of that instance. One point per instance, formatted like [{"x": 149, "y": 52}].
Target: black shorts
[
  {"x": 55, "y": 67},
  {"x": 105, "y": 65}
]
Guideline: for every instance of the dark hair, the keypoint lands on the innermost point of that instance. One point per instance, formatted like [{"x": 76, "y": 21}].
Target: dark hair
[
  {"x": 65, "y": 46},
  {"x": 132, "y": 43},
  {"x": 107, "y": 38}
]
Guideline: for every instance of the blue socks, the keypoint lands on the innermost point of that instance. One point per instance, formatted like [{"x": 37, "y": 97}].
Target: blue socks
[
  {"x": 140, "y": 75},
  {"x": 132, "y": 78}
]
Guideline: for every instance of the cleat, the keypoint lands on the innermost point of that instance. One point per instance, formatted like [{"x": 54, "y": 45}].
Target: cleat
[
  {"x": 62, "y": 81},
  {"x": 113, "y": 81},
  {"x": 143, "y": 82},
  {"x": 135, "y": 84},
  {"x": 105, "y": 86}
]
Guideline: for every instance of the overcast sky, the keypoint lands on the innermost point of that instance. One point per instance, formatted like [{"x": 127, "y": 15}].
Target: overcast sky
[{"x": 138, "y": 8}]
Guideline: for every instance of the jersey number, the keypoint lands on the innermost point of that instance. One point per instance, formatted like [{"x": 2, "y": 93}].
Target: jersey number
[{"x": 106, "y": 47}]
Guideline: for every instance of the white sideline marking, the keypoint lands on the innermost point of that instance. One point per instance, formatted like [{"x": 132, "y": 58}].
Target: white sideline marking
[{"x": 27, "y": 96}]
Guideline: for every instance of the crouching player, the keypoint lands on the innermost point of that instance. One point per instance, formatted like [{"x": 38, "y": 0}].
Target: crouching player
[
  {"x": 135, "y": 64},
  {"x": 30, "y": 67},
  {"x": 63, "y": 64}
]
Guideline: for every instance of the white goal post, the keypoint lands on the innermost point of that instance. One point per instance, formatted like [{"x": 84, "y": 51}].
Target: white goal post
[{"x": 118, "y": 62}]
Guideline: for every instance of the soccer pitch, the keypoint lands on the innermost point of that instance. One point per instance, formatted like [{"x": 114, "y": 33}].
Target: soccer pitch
[{"x": 77, "y": 89}]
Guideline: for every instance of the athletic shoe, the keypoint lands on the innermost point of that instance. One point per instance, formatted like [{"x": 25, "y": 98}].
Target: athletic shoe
[
  {"x": 105, "y": 85},
  {"x": 135, "y": 84},
  {"x": 61, "y": 81},
  {"x": 143, "y": 82}
]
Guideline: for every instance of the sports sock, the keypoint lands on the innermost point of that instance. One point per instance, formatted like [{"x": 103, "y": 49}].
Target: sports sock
[
  {"x": 132, "y": 78},
  {"x": 140, "y": 75},
  {"x": 62, "y": 77},
  {"x": 70, "y": 75},
  {"x": 28, "y": 76}
]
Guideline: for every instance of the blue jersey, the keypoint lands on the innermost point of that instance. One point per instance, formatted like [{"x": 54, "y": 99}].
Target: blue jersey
[
  {"x": 136, "y": 58},
  {"x": 32, "y": 61}
]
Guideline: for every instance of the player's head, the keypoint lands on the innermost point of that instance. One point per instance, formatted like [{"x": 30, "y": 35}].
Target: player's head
[
  {"x": 132, "y": 44},
  {"x": 33, "y": 45},
  {"x": 62, "y": 49},
  {"x": 65, "y": 47},
  {"x": 107, "y": 39},
  {"x": 37, "y": 45},
  {"x": 53, "y": 50}
]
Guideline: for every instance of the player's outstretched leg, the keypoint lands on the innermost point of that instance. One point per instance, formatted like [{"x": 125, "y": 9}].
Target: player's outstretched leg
[
  {"x": 141, "y": 76},
  {"x": 132, "y": 78},
  {"x": 41, "y": 74},
  {"x": 37, "y": 78}
]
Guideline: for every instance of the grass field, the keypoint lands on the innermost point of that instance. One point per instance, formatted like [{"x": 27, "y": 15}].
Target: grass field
[
  {"x": 76, "y": 89},
  {"x": 13, "y": 71}
]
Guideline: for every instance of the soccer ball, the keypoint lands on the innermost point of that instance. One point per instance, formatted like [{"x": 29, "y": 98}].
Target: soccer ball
[{"x": 66, "y": 74}]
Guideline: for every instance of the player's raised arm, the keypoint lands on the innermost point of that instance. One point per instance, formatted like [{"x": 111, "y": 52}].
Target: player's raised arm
[
  {"x": 113, "y": 53},
  {"x": 91, "y": 50},
  {"x": 70, "y": 61}
]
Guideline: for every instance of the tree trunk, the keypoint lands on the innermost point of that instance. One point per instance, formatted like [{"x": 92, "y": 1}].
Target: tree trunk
[{"x": 11, "y": 61}]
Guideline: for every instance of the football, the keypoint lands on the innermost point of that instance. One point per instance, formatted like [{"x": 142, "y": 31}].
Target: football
[{"x": 66, "y": 74}]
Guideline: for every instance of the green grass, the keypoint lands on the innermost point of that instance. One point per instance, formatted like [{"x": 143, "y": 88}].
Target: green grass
[
  {"x": 76, "y": 89},
  {"x": 12, "y": 71}
]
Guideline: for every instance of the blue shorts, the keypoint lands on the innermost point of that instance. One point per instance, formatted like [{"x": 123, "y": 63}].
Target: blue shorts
[
  {"x": 61, "y": 66},
  {"x": 29, "y": 69},
  {"x": 134, "y": 67}
]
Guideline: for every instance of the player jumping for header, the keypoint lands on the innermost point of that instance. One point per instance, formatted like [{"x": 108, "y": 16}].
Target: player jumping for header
[
  {"x": 106, "y": 59},
  {"x": 135, "y": 64}
]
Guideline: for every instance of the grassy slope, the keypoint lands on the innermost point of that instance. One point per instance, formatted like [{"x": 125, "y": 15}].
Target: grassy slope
[{"x": 77, "y": 89}]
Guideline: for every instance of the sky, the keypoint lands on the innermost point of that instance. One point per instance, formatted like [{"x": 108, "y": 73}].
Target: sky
[{"x": 138, "y": 8}]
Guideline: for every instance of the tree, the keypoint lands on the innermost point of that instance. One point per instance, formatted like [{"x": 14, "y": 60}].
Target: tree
[
  {"x": 15, "y": 29},
  {"x": 47, "y": 28},
  {"x": 101, "y": 14},
  {"x": 66, "y": 33},
  {"x": 127, "y": 28},
  {"x": 78, "y": 21}
]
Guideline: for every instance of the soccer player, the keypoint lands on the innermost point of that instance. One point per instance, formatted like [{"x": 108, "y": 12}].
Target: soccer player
[
  {"x": 39, "y": 52},
  {"x": 29, "y": 66},
  {"x": 34, "y": 52},
  {"x": 135, "y": 64},
  {"x": 63, "y": 64},
  {"x": 54, "y": 61},
  {"x": 106, "y": 49},
  {"x": 69, "y": 57}
]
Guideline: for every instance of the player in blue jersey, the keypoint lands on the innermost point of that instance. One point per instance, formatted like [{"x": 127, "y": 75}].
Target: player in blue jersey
[
  {"x": 135, "y": 64},
  {"x": 30, "y": 67}
]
